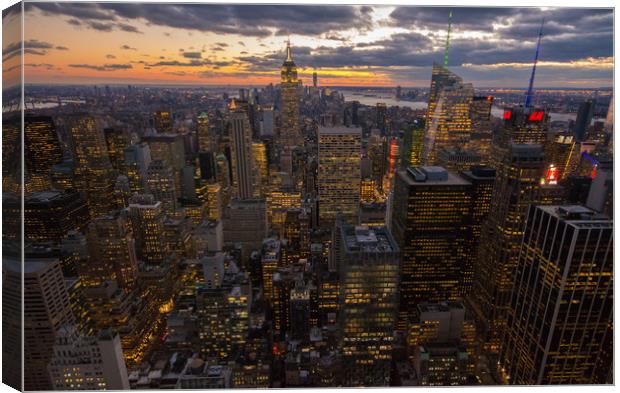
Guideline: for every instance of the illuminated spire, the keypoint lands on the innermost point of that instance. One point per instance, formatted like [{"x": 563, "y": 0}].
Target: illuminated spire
[
  {"x": 445, "y": 55},
  {"x": 530, "y": 90},
  {"x": 289, "y": 56}
]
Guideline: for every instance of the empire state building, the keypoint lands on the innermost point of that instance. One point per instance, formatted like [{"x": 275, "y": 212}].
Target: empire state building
[{"x": 289, "y": 103}]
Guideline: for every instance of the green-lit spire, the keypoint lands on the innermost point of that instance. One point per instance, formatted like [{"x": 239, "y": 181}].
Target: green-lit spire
[{"x": 445, "y": 55}]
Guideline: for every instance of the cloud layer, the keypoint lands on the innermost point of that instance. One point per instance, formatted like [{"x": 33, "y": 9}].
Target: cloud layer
[{"x": 404, "y": 40}]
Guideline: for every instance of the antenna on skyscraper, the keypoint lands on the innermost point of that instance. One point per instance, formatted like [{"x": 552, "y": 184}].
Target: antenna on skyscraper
[
  {"x": 530, "y": 90},
  {"x": 445, "y": 55}
]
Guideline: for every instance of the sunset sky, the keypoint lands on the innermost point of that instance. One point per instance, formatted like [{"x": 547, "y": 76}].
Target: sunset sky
[{"x": 346, "y": 45}]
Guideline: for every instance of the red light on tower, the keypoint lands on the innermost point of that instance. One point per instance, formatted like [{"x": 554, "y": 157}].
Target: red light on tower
[
  {"x": 507, "y": 114},
  {"x": 552, "y": 175},
  {"x": 489, "y": 98},
  {"x": 536, "y": 116}
]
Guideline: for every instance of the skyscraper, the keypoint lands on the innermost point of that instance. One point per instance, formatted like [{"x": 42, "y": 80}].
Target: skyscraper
[
  {"x": 205, "y": 134},
  {"x": 112, "y": 252},
  {"x": 368, "y": 265},
  {"x": 290, "y": 135},
  {"x": 46, "y": 310},
  {"x": 116, "y": 140},
  {"x": 584, "y": 119},
  {"x": 339, "y": 173},
  {"x": 162, "y": 121},
  {"x": 448, "y": 123},
  {"x": 137, "y": 161},
  {"x": 50, "y": 214},
  {"x": 82, "y": 362},
  {"x": 561, "y": 301},
  {"x": 147, "y": 220},
  {"x": 522, "y": 126},
  {"x": 160, "y": 181},
  {"x": 413, "y": 144},
  {"x": 482, "y": 180},
  {"x": 241, "y": 154},
  {"x": 42, "y": 151},
  {"x": 93, "y": 170},
  {"x": 432, "y": 224},
  {"x": 517, "y": 181}
]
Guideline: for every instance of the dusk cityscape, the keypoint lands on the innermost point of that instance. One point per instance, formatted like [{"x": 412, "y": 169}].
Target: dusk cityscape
[{"x": 211, "y": 196}]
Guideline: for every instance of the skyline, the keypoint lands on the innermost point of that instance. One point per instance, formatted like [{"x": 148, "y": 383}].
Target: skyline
[{"x": 352, "y": 46}]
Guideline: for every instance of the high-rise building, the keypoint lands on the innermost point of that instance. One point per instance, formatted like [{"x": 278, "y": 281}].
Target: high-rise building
[
  {"x": 46, "y": 310},
  {"x": 382, "y": 117},
  {"x": 162, "y": 122},
  {"x": 584, "y": 119},
  {"x": 241, "y": 155},
  {"x": 562, "y": 156},
  {"x": 41, "y": 152},
  {"x": 279, "y": 201},
  {"x": 245, "y": 222},
  {"x": 82, "y": 362},
  {"x": 116, "y": 140},
  {"x": 137, "y": 161},
  {"x": 482, "y": 180},
  {"x": 112, "y": 252},
  {"x": 93, "y": 171},
  {"x": 147, "y": 220},
  {"x": 522, "y": 126},
  {"x": 339, "y": 173},
  {"x": 260, "y": 168},
  {"x": 561, "y": 301},
  {"x": 481, "y": 127},
  {"x": 290, "y": 134},
  {"x": 432, "y": 224},
  {"x": 169, "y": 148},
  {"x": 160, "y": 181},
  {"x": 368, "y": 266},
  {"x": 214, "y": 201},
  {"x": 448, "y": 123},
  {"x": 268, "y": 121},
  {"x": 413, "y": 143},
  {"x": 49, "y": 215},
  {"x": 205, "y": 134},
  {"x": 517, "y": 180},
  {"x": 315, "y": 79}
]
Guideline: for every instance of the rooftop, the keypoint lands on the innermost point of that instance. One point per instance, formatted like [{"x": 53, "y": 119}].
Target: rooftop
[
  {"x": 369, "y": 240},
  {"x": 426, "y": 175},
  {"x": 339, "y": 130}
]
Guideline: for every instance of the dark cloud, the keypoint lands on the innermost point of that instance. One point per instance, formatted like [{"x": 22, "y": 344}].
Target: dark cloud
[
  {"x": 107, "y": 27},
  {"x": 192, "y": 55},
  {"x": 192, "y": 63},
  {"x": 128, "y": 28},
  {"x": 76, "y": 10},
  {"x": 74, "y": 22},
  {"x": 32, "y": 47},
  {"x": 110, "y": 56},
  {"x": 105, "y": 67},
  {"x": 251, "y": 20},
  {"x": 127, "y": 47},
  {"x": 60, "y": 47}
]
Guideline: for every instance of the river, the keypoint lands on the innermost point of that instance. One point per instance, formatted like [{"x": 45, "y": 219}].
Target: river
[{"x": 389, "y": 100}]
